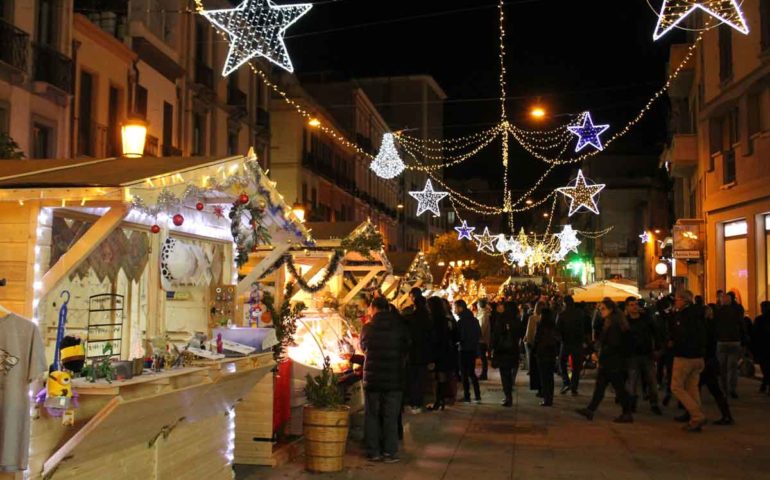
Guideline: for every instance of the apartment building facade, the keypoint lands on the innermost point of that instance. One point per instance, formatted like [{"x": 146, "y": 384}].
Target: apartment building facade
[{"x": 719, "y": 157}]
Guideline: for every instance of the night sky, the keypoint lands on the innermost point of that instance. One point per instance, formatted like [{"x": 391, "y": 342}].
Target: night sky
[{"x": 595, "y": 55}]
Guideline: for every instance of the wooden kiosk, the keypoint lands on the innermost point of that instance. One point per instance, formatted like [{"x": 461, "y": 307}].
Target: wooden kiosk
[{"x": 156, "y": 233}]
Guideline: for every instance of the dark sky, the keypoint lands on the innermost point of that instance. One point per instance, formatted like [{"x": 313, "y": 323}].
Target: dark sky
[{"x": 577, "y": 55}]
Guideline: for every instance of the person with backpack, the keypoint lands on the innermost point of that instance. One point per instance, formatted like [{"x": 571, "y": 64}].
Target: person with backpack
[{"x": 505, "y": 347}]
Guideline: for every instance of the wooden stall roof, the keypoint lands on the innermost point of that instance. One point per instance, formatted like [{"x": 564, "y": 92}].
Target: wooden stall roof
[{"x": 89, "y": 172}]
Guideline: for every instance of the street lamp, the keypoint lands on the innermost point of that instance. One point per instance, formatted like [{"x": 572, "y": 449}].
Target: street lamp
[
  {"x": 133, "y": 133},
  {"x": 314, "y": 122},
  {"x": 661, "y": 268},
  {"x": 299, "y": 211},
  {"x": 537, "y": 112}
]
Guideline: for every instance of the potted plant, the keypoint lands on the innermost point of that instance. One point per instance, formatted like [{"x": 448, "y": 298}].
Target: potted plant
[{"x": 325, "y": 422}]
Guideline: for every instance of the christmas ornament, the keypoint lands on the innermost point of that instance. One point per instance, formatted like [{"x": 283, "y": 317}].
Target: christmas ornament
[
  {"x": 673, "y": 12},
  {"x": 581, "y": 194},
  {"x": 428, "y": 199},
  {"x": 645, "y": 237},
  {"x": 178, "y": 219},
  {"x": 219, "y": 212},
  {"x": 568, "y": 240},
  {"x": 486, "y": 242},
  {"x": 464, "y": 231},
  {"x": 256, "y": 28},
  {"x": 588, "y": 133},
  {"x": 243, "y": 199},
  {"x": 199, "y": 206},
  {"x": 387, "y": 164},
  {"x": 155, "y": 229}
]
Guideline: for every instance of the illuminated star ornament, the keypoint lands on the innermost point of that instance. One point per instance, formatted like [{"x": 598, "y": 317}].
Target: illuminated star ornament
[
  {"x": 645, "y": 237},
  {"x": 387, "y": 164},
  {"x": 582, "y": 195},
  {"x": 588, "y": 133},
  {"x": 568, "y": 240},
  {"x": 464, "y": 231},
  {"x": 256, "y": 28},
  {"x": 428, "y": 199},
  {"x": 486, "y": 241},
  {"x": 673, "y": 12}
]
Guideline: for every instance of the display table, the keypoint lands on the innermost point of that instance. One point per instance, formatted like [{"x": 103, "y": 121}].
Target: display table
[{"x": 174, "y": 424}]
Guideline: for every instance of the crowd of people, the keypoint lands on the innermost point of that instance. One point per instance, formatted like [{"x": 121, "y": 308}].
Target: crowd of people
[{"x": 669, "y": 348}]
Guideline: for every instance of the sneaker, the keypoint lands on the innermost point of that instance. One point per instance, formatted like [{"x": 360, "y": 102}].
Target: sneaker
[
  {"x": 724, "y": 421},
  {"x": 390, "y": 459},
  {"x": 374, "y": 458},
  {"x": 477, "y": 401},
  {"x": 415, "y": 410},
  {"x": 683, "y": 418},
  {"x": 586, "y": 413},
  {"x": 656, "y": 410},
  {"x": 625, "y": 418}
]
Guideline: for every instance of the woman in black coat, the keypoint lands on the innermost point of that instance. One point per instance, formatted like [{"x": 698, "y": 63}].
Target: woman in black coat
[
  {"x": 506, "y": 338},
  {"x": 444, "y": 349},
  {"x": 546, "y": 349}
]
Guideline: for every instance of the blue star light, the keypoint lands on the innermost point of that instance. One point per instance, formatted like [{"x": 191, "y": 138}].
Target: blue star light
[
  {"x": 464, "y": 231},
  {"x": 588, "y": 133}
]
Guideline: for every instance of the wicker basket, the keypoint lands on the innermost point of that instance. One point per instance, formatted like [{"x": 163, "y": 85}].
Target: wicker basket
[{"x": 326, "y": 435}]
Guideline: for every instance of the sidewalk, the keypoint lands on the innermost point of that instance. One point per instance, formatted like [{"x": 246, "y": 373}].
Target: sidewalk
[{"x": 488, "y": 442}]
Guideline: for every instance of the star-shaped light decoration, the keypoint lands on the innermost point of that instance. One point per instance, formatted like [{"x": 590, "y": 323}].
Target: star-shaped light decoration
[
  {"x": 673, "y": 12},
  {"x": 645, "y": 237},
  {"x": 464, "y": 231},
  {"x": 387, "y": 164},
  {"x": 219, "y": 211},
  {"x": 568, "y": 241},
  {"x": 256, "y": 28},
  {"x": 428, "y": 199},
  {"x": 502, "y": 244},
  {"x": 486, "y": 242},
  {"x": 581, "y": 194},
  {"x": 588, "y": 133}
]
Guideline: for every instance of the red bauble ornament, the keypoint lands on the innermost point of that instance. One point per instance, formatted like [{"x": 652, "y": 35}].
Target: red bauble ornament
[
  {"x": 178, "y": 219},
  {"x": 243, "y": 199},
  {"x": 155, "y": 229},
  {"x": 199, "y": 206}
]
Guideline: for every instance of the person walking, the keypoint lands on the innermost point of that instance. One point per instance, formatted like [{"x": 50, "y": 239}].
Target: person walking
[
  {"x": 529, "y": 339},
  {"x": 444, "y": 350},
  {"x": 385, "y": 343},
  {"x": 484, "y": 317},
  {"x": 665, "y": 360},
  {"x": 505, "y": 347},
  {"x": 614, "y": 350},
  {"x": 728, "y": 324},
  {"x": 469, "y": 333},
  {"x": 420, "y": 353},
  {"x": 688, "y": 344},
  {"x": 546, "y": 349},
  {"x": 760, "y": 344},
  {"x": 709, "y": 377},
  {"x": 574, "y": 331},
  {"x": 640, "y": 367}
]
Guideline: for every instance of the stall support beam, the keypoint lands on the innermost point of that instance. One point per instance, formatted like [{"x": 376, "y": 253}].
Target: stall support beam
[
  {"x": 360, "y": 285},
  {"x": 259, "y": 269}
]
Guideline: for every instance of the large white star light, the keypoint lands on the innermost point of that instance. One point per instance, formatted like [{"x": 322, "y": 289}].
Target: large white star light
[
  {"x": 256, "y": 28},
  {"x": 568, "y": 241},
  {"x": 588, "y": 133},
  {"x": 387, "y": 164},
  {"x": 428, "y": 199},
  {"x": 582, "y": 195},
  {"x": 673, "y": 12}
]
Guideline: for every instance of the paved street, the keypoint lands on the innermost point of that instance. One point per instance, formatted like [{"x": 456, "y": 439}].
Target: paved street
[{"x": 531, "y": 442}]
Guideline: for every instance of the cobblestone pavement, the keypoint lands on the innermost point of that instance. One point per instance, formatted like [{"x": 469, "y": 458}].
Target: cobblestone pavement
[{"x": 489, "y": 442}]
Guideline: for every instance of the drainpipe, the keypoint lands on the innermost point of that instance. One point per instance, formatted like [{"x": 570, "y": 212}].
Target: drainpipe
[{"x": 73, "y": 140}]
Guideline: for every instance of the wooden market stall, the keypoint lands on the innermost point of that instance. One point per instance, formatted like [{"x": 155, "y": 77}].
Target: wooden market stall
[
  {"x": 144, "y": 247},
  {"x": 417, "y": 275}
]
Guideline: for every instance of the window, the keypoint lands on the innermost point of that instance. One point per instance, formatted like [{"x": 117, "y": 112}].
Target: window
[
  {"x": 232, "y": 143},
  {"x": 725, "y": 52},
  {"x": 450, "y": 217},
  {"x": 764, "y": 14},
  {"x": 46, "y": 23},
  {"x": 199, "y": 134},
  {"x": 314, "y": 197},
  {"x": 754, "y": 113},
  {"x": 5, "y": 114},
  {"x": 304, "y": 192},
  {"x": 85, "y": 119},
  {"x": 42, "y": 141},
  {"x": 114, "y": 142},
  {"x": 140, "y": 104},
  {"x": 168, "y": 126},
  {"x": 736, "y": 258}
]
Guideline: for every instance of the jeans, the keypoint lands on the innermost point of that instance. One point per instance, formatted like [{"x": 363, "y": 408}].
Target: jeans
[
  {"x": 685, "y": 377},
  {"x": 468, "y": 373},
  {"x": 709, "y": 378},
  {"x": 381, "y": 422},
  {"x": 640, "y": 369},
  {"x": 508, "y": 369},
  {"x": 577, "y": 366},
  {"x": 604, "y": 378},
  {"x": 417, "y": 375},
  {"x": 483, "y": 349},
  {"x": 728, "y": 354},
  {"x": 665, "y": 366},
  {"x": 546, "y": 366}
]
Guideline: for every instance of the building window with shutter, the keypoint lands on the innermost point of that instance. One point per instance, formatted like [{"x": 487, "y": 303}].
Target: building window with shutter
[{"x": 725, "y": 53}]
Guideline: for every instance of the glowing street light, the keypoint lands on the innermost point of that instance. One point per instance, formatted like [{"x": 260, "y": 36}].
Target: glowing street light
[{"x": 133, "y": 133}]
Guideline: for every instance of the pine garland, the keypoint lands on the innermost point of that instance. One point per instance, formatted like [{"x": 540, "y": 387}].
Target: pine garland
[
  {"x": 286, "y": 323},
  {"x": 331, "y": 269},
  {"x": 257, "y": 232}
]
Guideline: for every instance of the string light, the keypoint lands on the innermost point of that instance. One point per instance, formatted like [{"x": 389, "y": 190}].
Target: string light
[
  {"x": 464, "y": 231},
  {"x": 588, "y": 133},
  {"x": 427, "y": 199},
  {"x": 645, "y": 237},
  {"x": 673, "y": 12},
  {"x": 387, "y": 164},
  {"x": 486, "y": 242},
  {"x": 581, "y": 194},
  {"x": 256, "y": 28}
]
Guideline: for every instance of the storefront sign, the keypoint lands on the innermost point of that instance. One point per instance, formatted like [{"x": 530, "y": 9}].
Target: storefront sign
[{"x": 687, "y": 241}]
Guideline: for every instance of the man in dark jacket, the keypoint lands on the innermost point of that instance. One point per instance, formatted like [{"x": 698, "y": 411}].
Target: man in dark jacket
[
  {"x": 760, "y": 344},
  {"x": 469, "y": 333},
  {"x": 728, "y": 325},
  {"x": 385, "y": 342},
  {"x": 688, "y": 344},
  {"x": 420, "y": 353},
  {"x": 505, "y": 348},
  {"x": 574, "y": 330},
  {"x": 640, "y": 364}
]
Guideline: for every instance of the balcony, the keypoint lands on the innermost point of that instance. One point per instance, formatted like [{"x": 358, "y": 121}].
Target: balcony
[
  {"x": 204, "y": 75},
  {"x": 52, "y": 67},
  {"x": 15, "y": 48},
  {"x": 682, "y": 155},
  {"x": 681, "y": 85},
  {"x": 151, "y": 146}
]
